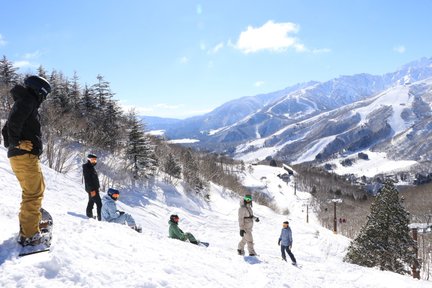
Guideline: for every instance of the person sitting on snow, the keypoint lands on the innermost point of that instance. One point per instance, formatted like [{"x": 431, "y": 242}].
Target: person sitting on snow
[
  {"x": 111, "y": 214},
  {"x": 176, "y": 233}
]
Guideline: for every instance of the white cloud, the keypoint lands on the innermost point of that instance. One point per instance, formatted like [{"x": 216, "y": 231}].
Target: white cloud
[
  {"x": 23, "y": 64},
  {"x": 399, "y": 49},
  {"x": 168, "y": 106},
  {"x": 321, "y": 50},
  {"x": 216, "y": 48},
  {"x": 184, "y": 60},
  {"x": 271, "y": 36},
  {"x": 199, "y": 9},
  {"x": 32, "y": 55},
  {"x": 2, "y": 41},
  {"x": 259, "y": 83},
  {"x": 203, "y": 46},
  {"x": 179, "y": 111}
]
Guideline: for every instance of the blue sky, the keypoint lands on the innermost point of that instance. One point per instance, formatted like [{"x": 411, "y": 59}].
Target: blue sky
[{"x": 182, "y": 58}]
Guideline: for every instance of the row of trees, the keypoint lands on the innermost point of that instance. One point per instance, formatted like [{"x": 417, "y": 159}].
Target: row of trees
[{"x": 87, "y": 117}]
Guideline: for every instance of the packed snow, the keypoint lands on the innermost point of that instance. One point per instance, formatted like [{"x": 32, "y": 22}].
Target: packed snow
[
  {"x": 378, "y": 163},
  {"x": 88, "y": 253},
  {"x": 183, "y": 141}
]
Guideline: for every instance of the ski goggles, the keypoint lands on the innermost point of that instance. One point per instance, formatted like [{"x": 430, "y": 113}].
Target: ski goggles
[
  {"x": 248, "y": 198},
  {"x": 115, "y": 196}
]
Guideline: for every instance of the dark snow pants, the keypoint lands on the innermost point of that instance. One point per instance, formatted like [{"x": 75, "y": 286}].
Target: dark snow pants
[
  {"x": 288, "y": 250},
  {"x": 94, "y": 200}
]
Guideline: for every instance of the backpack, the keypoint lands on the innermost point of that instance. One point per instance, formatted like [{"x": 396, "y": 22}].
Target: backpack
[{"x": 5, "y": 135}]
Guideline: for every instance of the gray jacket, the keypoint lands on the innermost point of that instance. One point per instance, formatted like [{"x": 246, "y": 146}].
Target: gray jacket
[
  {"x": 245, "y": 216},
  {"x": 109, "y": 209},
  {"x": 286, "y": 237}
]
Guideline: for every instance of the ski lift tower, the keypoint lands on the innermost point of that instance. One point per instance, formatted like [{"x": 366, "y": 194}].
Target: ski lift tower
[
  {"x": 335, "y": 201},
  {"x": 422, "y": 229}
]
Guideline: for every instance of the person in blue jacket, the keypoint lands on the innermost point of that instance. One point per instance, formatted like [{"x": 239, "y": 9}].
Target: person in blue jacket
[
  {"x": 285, "y": 241},
  {"x": 111, "y": 214}
]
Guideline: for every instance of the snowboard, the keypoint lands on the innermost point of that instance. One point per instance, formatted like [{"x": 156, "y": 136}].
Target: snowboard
[
  {"x": 204, "y": 244},
  {"x": 45, "y": 227}
]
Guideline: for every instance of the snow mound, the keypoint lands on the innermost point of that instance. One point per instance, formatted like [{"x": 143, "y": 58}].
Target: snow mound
[{"x": 88, "y": 253}]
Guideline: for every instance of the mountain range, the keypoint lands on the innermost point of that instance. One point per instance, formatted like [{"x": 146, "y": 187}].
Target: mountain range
[{"x": 320, "y": 121}]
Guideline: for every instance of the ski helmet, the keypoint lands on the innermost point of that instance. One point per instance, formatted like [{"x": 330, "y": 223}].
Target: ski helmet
[
  {"x": 39, "y": 85},
  {"x": 113, "y": 193}
]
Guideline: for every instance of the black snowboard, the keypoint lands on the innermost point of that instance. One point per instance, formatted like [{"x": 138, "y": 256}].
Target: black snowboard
[
  {"x": 204, "y": 244},
  {"x": 45, "y": 227}
]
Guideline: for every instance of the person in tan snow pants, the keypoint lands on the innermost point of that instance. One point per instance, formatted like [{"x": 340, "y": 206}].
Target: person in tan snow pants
[{"x": 23, "y": 138}]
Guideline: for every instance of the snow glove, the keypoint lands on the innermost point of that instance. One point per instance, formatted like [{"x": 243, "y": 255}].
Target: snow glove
[
  {"x": 279, "y": 241},
  {"x": 25, "y": 145},
  {"x": 242, "y": 232},
  {"x": 121, "y": 212},
  {"x": 257, "y": 219}
]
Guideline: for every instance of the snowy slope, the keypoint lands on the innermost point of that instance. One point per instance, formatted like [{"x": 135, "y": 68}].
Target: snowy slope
[
  {"x": 87, "y": 253},
  {"x": 394, "y": 123}
]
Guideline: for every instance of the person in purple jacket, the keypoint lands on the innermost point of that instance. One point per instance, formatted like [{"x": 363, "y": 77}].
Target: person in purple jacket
[{"x": 285, "y": 241}]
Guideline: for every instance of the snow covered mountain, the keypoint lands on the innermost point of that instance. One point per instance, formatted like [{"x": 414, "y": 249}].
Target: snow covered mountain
[
  {"x": 227, "y": 114},
  {"x": 394, "y": 119},
  {"x": 320, "y": 121},
  {"x": 88, "y": 253},
  {"x": 318, "y": 98}
]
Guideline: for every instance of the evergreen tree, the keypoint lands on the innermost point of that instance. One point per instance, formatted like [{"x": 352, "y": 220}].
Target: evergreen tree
[
  {"x": 139, "y": 150},
  {"x": 75, "y": 92},
  {"x": 190, "y": 171},
  {"x": 42, "y": 72},
  {"x": 385, "y": 240},
  {"x": 172, "y": 167},
  {"x": 102, "y": 91},
  {"x": 8, "y": 78}
]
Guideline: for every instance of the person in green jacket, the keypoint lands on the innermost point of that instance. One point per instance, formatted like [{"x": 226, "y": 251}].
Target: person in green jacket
[{"x": 176, "y": 233}]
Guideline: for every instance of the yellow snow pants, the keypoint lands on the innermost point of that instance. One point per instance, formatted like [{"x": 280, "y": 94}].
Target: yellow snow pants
[{"x": 28, "y": 171}]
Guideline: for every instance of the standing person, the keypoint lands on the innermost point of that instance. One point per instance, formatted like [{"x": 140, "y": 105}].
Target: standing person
[
  {"x": 246, "y": 219},
  {"x": 91, "y": 180},
  {"x": 285, "y": 241},
  {"x": 111, "y": 214},
  {"x": 23, "y": 138}
]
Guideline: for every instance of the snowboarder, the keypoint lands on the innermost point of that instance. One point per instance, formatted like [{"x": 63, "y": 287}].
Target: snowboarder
[
  {"x": 285, "y": 241},
  {"x": 22, "y": 136},
  {"x": 176, "y": 233},
  {"x": 91, "y": 180},
  {"x": 246, "y": 219},
  {"x": 111, "y": 214}
]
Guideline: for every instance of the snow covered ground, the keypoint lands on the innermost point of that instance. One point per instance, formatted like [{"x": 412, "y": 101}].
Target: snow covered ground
[
  {"x": 377, "y": 163},
  {"x": 88, "y": 253}
]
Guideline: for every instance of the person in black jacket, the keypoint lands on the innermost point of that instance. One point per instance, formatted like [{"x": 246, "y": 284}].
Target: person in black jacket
[
  {"x": 91, "y": 180},
  {"x": 23, "y": 138}
]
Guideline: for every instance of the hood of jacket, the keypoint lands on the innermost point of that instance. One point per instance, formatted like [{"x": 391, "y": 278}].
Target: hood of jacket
[
  {"x": 107, "y": 198},
  {"x": 21, "y": 92}
]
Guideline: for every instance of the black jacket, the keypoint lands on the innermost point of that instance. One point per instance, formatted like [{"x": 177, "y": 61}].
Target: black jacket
[
  {"x": 23, "y": 122},
  {"x": 91, "y": 178}
]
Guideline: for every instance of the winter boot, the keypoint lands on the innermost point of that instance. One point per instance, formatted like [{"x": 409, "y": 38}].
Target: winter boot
[
  {"x": 240, "y": 252},
  {"x": 34, "y": 240},
  {"x": 137, "y": 228}
]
